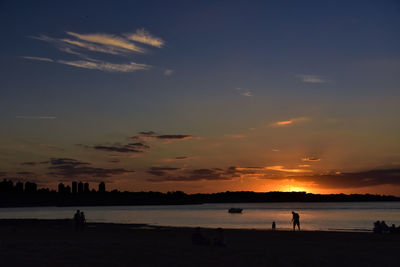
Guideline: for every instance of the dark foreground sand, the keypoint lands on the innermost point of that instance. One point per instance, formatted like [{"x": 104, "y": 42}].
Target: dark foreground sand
[{"x": 55, "y": 243}]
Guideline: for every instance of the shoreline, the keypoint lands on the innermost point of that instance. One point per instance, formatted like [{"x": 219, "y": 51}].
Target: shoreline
[
  {"x": 93, "y": 223},
  {"x": 186, "y": 204},
  {"x": 55, "y": 242}
]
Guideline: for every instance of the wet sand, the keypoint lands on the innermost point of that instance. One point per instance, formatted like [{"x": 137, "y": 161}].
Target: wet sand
[{"x": 55, "y": 243}]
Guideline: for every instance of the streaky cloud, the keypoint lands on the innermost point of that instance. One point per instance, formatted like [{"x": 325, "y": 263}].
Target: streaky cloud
[
  {"x": 166, "y": 137},
  {"x": 283, "y": 169},
  {"x": 39, "y": 58},
  {"x": 92, "y": 47},
  {"x": 168, "y": 72},
  {"x": 106, "y": 66},
  {"x": 71, "y": 169},
  {"x": 311, "y": 159},
  {"x": 123, "y": 149},
  {"x": 312, "y": 78},
  {"x": 144, "y": 37},
  {"x": 108, "y": 40},
  {"x": 247, "y": 93},
  {"x": 36, "y": 117},
  {"x": 214, "y": 174},
  {"x": 355, "y": 179},
  {"x": 288, "y": 122}
]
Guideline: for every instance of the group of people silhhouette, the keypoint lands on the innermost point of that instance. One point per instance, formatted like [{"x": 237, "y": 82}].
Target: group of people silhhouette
[
  {"x": 79, "y": 221},
  {"x": 380, "y": 227}
]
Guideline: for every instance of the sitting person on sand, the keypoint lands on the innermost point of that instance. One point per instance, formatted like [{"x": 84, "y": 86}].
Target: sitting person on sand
[
  {"x": 220, "y": 240},
  {"x": 198, "y": 238}
]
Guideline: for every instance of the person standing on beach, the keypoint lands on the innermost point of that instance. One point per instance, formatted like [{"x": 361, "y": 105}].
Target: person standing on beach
[
  {"x": 82, "y": 221},
  {"x": 77, "y": 220},
  {"x": 295, "y": 220}
]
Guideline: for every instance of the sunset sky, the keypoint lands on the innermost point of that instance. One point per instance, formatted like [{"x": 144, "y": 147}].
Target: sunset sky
[{"x": 202, "y": 96}]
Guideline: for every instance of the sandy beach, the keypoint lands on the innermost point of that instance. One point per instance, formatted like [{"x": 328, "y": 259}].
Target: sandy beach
[{"x": 55, "y": 243}]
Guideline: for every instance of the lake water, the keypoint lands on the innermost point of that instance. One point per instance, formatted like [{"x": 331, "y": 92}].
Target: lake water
[{"x": 313, "y": 216}]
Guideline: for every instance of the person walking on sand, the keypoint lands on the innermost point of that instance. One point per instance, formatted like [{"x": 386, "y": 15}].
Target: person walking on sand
[{"x": 295, "y": 220}]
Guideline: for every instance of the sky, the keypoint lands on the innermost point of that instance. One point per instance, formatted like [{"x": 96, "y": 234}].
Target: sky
[{"x": 202, "y": 96}]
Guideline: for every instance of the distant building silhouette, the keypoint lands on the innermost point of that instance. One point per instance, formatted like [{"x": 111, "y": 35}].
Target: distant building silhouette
[
  {"x": 86, "y": 188},
  {"x": 61, "y": 188},
  {"x": 30, "y": 187},
  {"x": 19, "y": 187},
  {"x": 6, "y": 186},
  {"x": 68, "y": 189},
  {"x": 74, "y": 187},
  {"x": 102, "y": 187},
  {"x": 80, "y": 188}
]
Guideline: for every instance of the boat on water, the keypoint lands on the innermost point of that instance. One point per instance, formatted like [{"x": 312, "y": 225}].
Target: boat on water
[{"x": 235, "y": 210}]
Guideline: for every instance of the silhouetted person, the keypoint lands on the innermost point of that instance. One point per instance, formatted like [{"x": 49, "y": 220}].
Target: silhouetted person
[
  {"x": 377, "y": 227},
  {"x": 198, "y": 239},
  {"x": 392, "y": 229},
  {"x": 385, "y": 227},
  {"x": 82, "y": 221},
  {"x": 296, "y": 220},
  {"x": 220, "y": 240},
  {"x": 273, "y": 226},
  {"x": 77, "y": 220}
]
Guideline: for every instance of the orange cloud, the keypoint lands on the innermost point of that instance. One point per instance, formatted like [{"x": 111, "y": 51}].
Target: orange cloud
[
  {"x": 144, "y": 37},
  {"x": 283, "y": 169},
  {"x": 288, "y": 122},
  {"x": 311, "y": 159},
  {"x": 108, "y": 40}
]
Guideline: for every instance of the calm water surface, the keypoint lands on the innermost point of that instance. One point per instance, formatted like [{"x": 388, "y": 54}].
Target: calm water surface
[{"x": 313, "y": 216}]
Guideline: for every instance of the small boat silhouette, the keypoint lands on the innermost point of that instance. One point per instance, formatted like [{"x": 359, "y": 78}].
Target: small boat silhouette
[{"x": 235, "y": 210}]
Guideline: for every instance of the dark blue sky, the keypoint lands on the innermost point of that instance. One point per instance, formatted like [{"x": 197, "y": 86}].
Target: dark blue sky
[{"x": 223, "y": 72}]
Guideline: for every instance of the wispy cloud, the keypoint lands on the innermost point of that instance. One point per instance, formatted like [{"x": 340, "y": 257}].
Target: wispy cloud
[
  {"x": 36, "y": 117},
  {"x": 108, "y": 40},
  {"x": 194, "y": 175},
  {"x": 355, "y": 179},
  {"x": 311, "y": 159},
  {"x": 165, "y": 137},
  {"x": 71, "y": 169},
  {"x": 283, "y": 169},
  {"x": 244, "y": 91},
  {"x": 144, "y": 37},
  {"x": 106, "y": 66},
  {"x": 288, "y": 122},
  {"x": 312, "y": 78},
  {"x": 168, "y": 72},
  {"x": 128, "y": 148},
  {"x": 236, "y": 136},
  {"x": 180, "y": 158},
  {"x": 39, "y": 58},
  {"x": 83, "y": 44},
  {"x": 271, "y": 168},
  {"x": 88, "y": 46},
  {"x": 304, "y": 165},
  {"x": 247, "y": 93}
]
